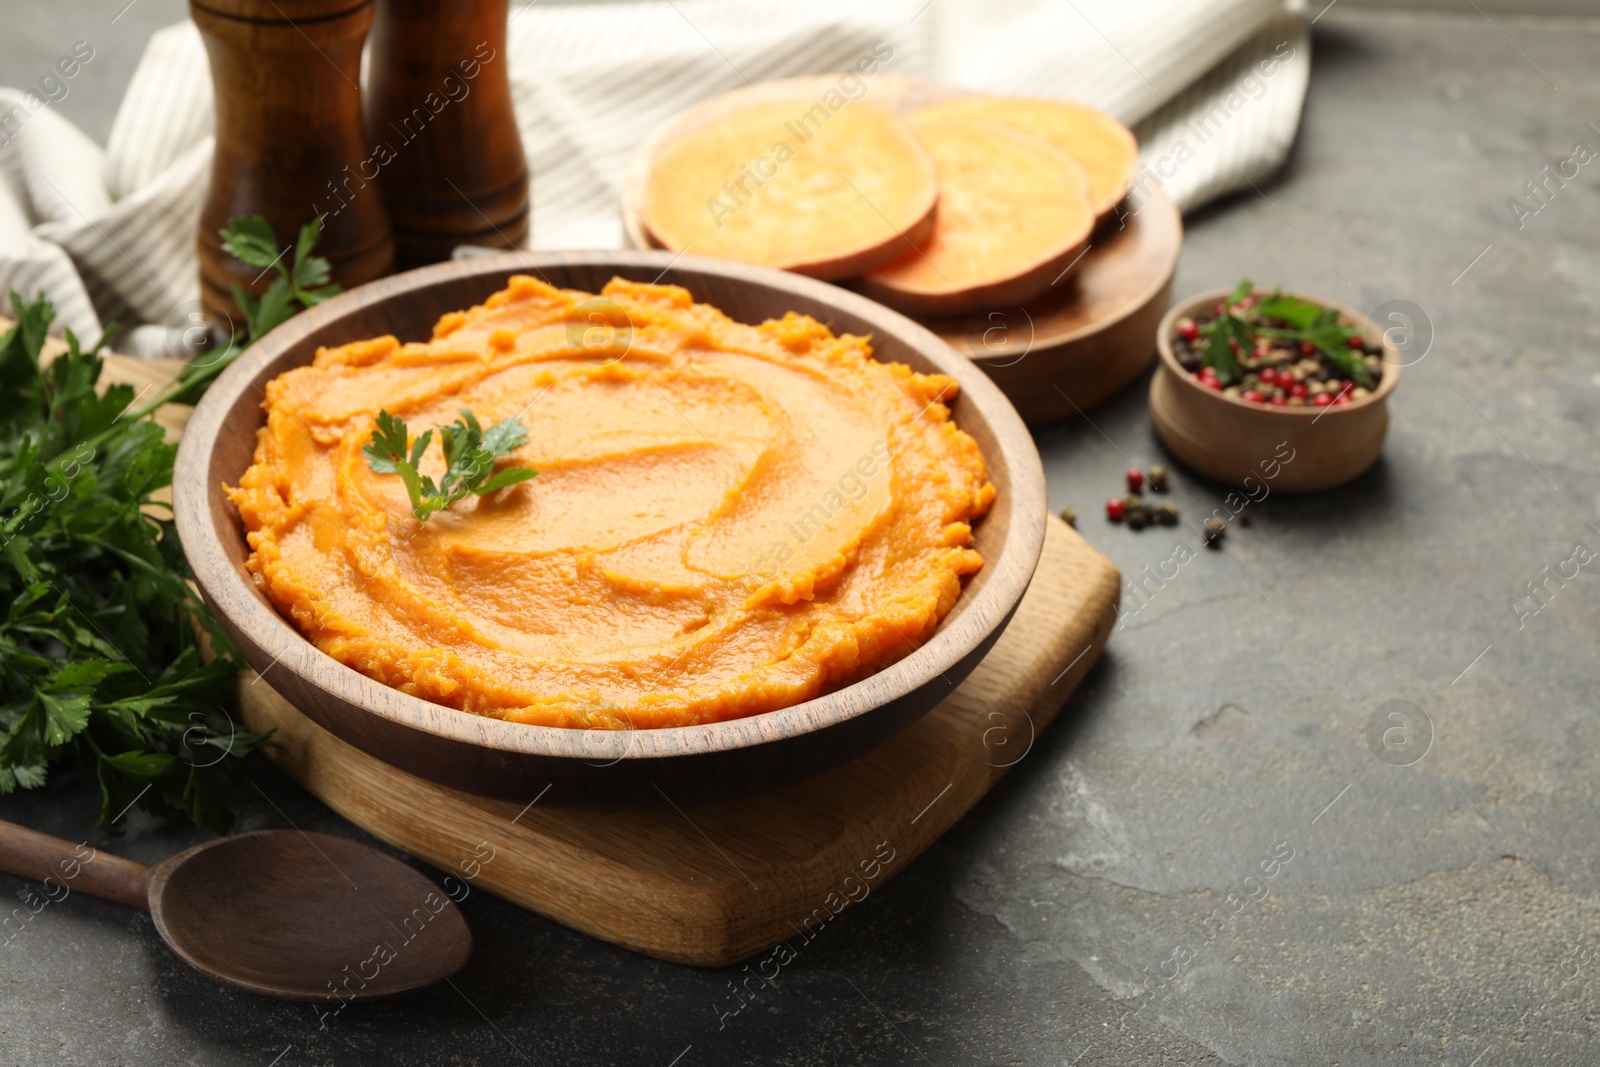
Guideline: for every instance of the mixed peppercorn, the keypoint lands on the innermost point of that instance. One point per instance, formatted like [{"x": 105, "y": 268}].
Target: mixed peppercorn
[
  {"x": 1132, "y": 509},
  {"x": 1278, "y": 350},
  {"x": 1134, "y": 512}
]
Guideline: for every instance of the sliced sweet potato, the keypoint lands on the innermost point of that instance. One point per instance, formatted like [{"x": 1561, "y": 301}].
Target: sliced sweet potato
[
  {"x": 794, "y": 184},
  {"x": 1104, "y": 146},
  {"x": 1013, "y": 213}
]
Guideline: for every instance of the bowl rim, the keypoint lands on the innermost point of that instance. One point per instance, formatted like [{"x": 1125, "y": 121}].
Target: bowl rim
[
  {"x": 229, "y": 593},
  {"x": 1186, "y": 308}
]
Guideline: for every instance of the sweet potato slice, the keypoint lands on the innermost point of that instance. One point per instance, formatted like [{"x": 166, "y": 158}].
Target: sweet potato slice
[
  {"x": 1013, "y": 213},
  {"x": 1104, "y": 146},
  {"x": 795, "y": 185}
]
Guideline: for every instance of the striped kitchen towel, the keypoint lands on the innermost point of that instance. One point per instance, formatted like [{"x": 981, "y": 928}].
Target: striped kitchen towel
[{"x": 1213, "y": 88}]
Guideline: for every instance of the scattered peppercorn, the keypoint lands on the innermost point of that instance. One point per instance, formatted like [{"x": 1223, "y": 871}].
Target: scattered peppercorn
[
  {"x": 1243, "y": 516},
  {"x": 1138, "y": 518},
  {"x": 1069, "y": 515},
  {"x": 1216, "y": 530},
  {"x": 1158, "y": 477},
  {"x": 1115, "y": 509},
  {"x": 1135, "y": 478},
  {"x": 1167, "y": 513}
]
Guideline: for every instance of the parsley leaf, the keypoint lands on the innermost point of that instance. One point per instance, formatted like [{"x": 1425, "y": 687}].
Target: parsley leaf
[
  {"x": 1225, "y": 335},
  {"x": 251, "y": 240},
  {"x": 1291, "y": 309},
  {"x": 470, "y": 453},
  {"x": 302, "y": 282},
  {"x": 1319, "y": 325}
]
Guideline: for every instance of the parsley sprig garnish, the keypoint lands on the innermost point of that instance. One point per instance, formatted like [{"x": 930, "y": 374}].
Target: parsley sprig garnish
[
  {"x": 1236, "y": 329},
  {"x": 470, "y": 453}
]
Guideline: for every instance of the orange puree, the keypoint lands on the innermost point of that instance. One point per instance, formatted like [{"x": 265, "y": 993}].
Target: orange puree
[{"x": 728, "y": 519}]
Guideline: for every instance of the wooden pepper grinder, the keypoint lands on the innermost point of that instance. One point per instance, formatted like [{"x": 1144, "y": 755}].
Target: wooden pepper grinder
[
  {"x": 438, "y": 100},
  {"x": 289, "y": 140}
]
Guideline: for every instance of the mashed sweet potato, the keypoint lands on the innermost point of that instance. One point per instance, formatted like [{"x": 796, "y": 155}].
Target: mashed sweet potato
[{"x": 727, "y": 520}]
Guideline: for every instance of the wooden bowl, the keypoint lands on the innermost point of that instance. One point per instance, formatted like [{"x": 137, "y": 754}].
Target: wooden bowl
[
  {"x": 1240, "y": 443},
  {"x": 1065, "y": 351},
  {"x": 516, "y": 761}
]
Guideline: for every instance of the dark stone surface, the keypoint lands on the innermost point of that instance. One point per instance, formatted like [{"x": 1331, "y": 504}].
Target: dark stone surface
[{"x": 1439, "y": 913}]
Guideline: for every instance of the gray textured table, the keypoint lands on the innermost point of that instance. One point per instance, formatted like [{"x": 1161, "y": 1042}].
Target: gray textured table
[{"x": 1444, "y": 912}]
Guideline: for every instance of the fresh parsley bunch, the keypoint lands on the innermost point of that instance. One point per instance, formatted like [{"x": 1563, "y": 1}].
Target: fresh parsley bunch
[
  {"x": 99, "y": 643},
  {"x": 100, "y": 630},
  {"x": 470, "y": 452}
]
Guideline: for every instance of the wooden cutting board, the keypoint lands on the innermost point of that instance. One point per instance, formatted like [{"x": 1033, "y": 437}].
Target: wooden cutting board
[
  {"x": 1073, "y": 347},
  {"x": 715, "y": 884}
]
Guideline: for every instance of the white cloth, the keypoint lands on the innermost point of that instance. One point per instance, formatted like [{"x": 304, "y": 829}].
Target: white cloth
[{"x": 1213, "y": 88}]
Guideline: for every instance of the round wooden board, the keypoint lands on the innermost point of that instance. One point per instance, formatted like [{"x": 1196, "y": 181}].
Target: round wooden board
[{"x": 1060, "y": 354}]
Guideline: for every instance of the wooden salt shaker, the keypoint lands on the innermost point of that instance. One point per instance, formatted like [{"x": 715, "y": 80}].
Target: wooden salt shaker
[
  {"x": 289, "y": 140},
  {"x": 438, "y": 101}
]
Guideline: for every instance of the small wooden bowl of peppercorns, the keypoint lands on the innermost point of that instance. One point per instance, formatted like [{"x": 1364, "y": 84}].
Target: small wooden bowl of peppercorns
[{"x": 1272, "y": 389}]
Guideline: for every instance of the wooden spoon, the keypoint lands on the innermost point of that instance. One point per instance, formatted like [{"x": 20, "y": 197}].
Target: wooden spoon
[{"x": 276, "y": 912}]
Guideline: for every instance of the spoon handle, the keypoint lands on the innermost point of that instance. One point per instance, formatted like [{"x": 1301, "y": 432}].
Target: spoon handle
[{"x": 62, "y": 864}]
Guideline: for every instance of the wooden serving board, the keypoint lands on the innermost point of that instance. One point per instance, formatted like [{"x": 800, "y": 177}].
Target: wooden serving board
[
  {"x": 714, "y": 884},
  {"x": 1077, "y": 345}
]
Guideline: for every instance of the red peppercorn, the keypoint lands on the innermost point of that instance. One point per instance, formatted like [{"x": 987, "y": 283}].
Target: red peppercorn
[
  {"x": 1269, "y": 376},
  {"x": 1298, "y": 389},
  {"x": 1135, "y": 478},
  {"x": 1115, "y": 509},
  {"x": 1307, "y": 348},
  {"x": 1211, "y": 383},
  {"x": 1321, "y": 400},
  {"x": 1341, "y": 400},
  {"x": 1251, "y": 395},
  {"x": 1357, "y": 341},
  {"x": 1277, "y": 401},
  {"x": 1263, "y": 352},
  {"x": 1188, "y": 329}
]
